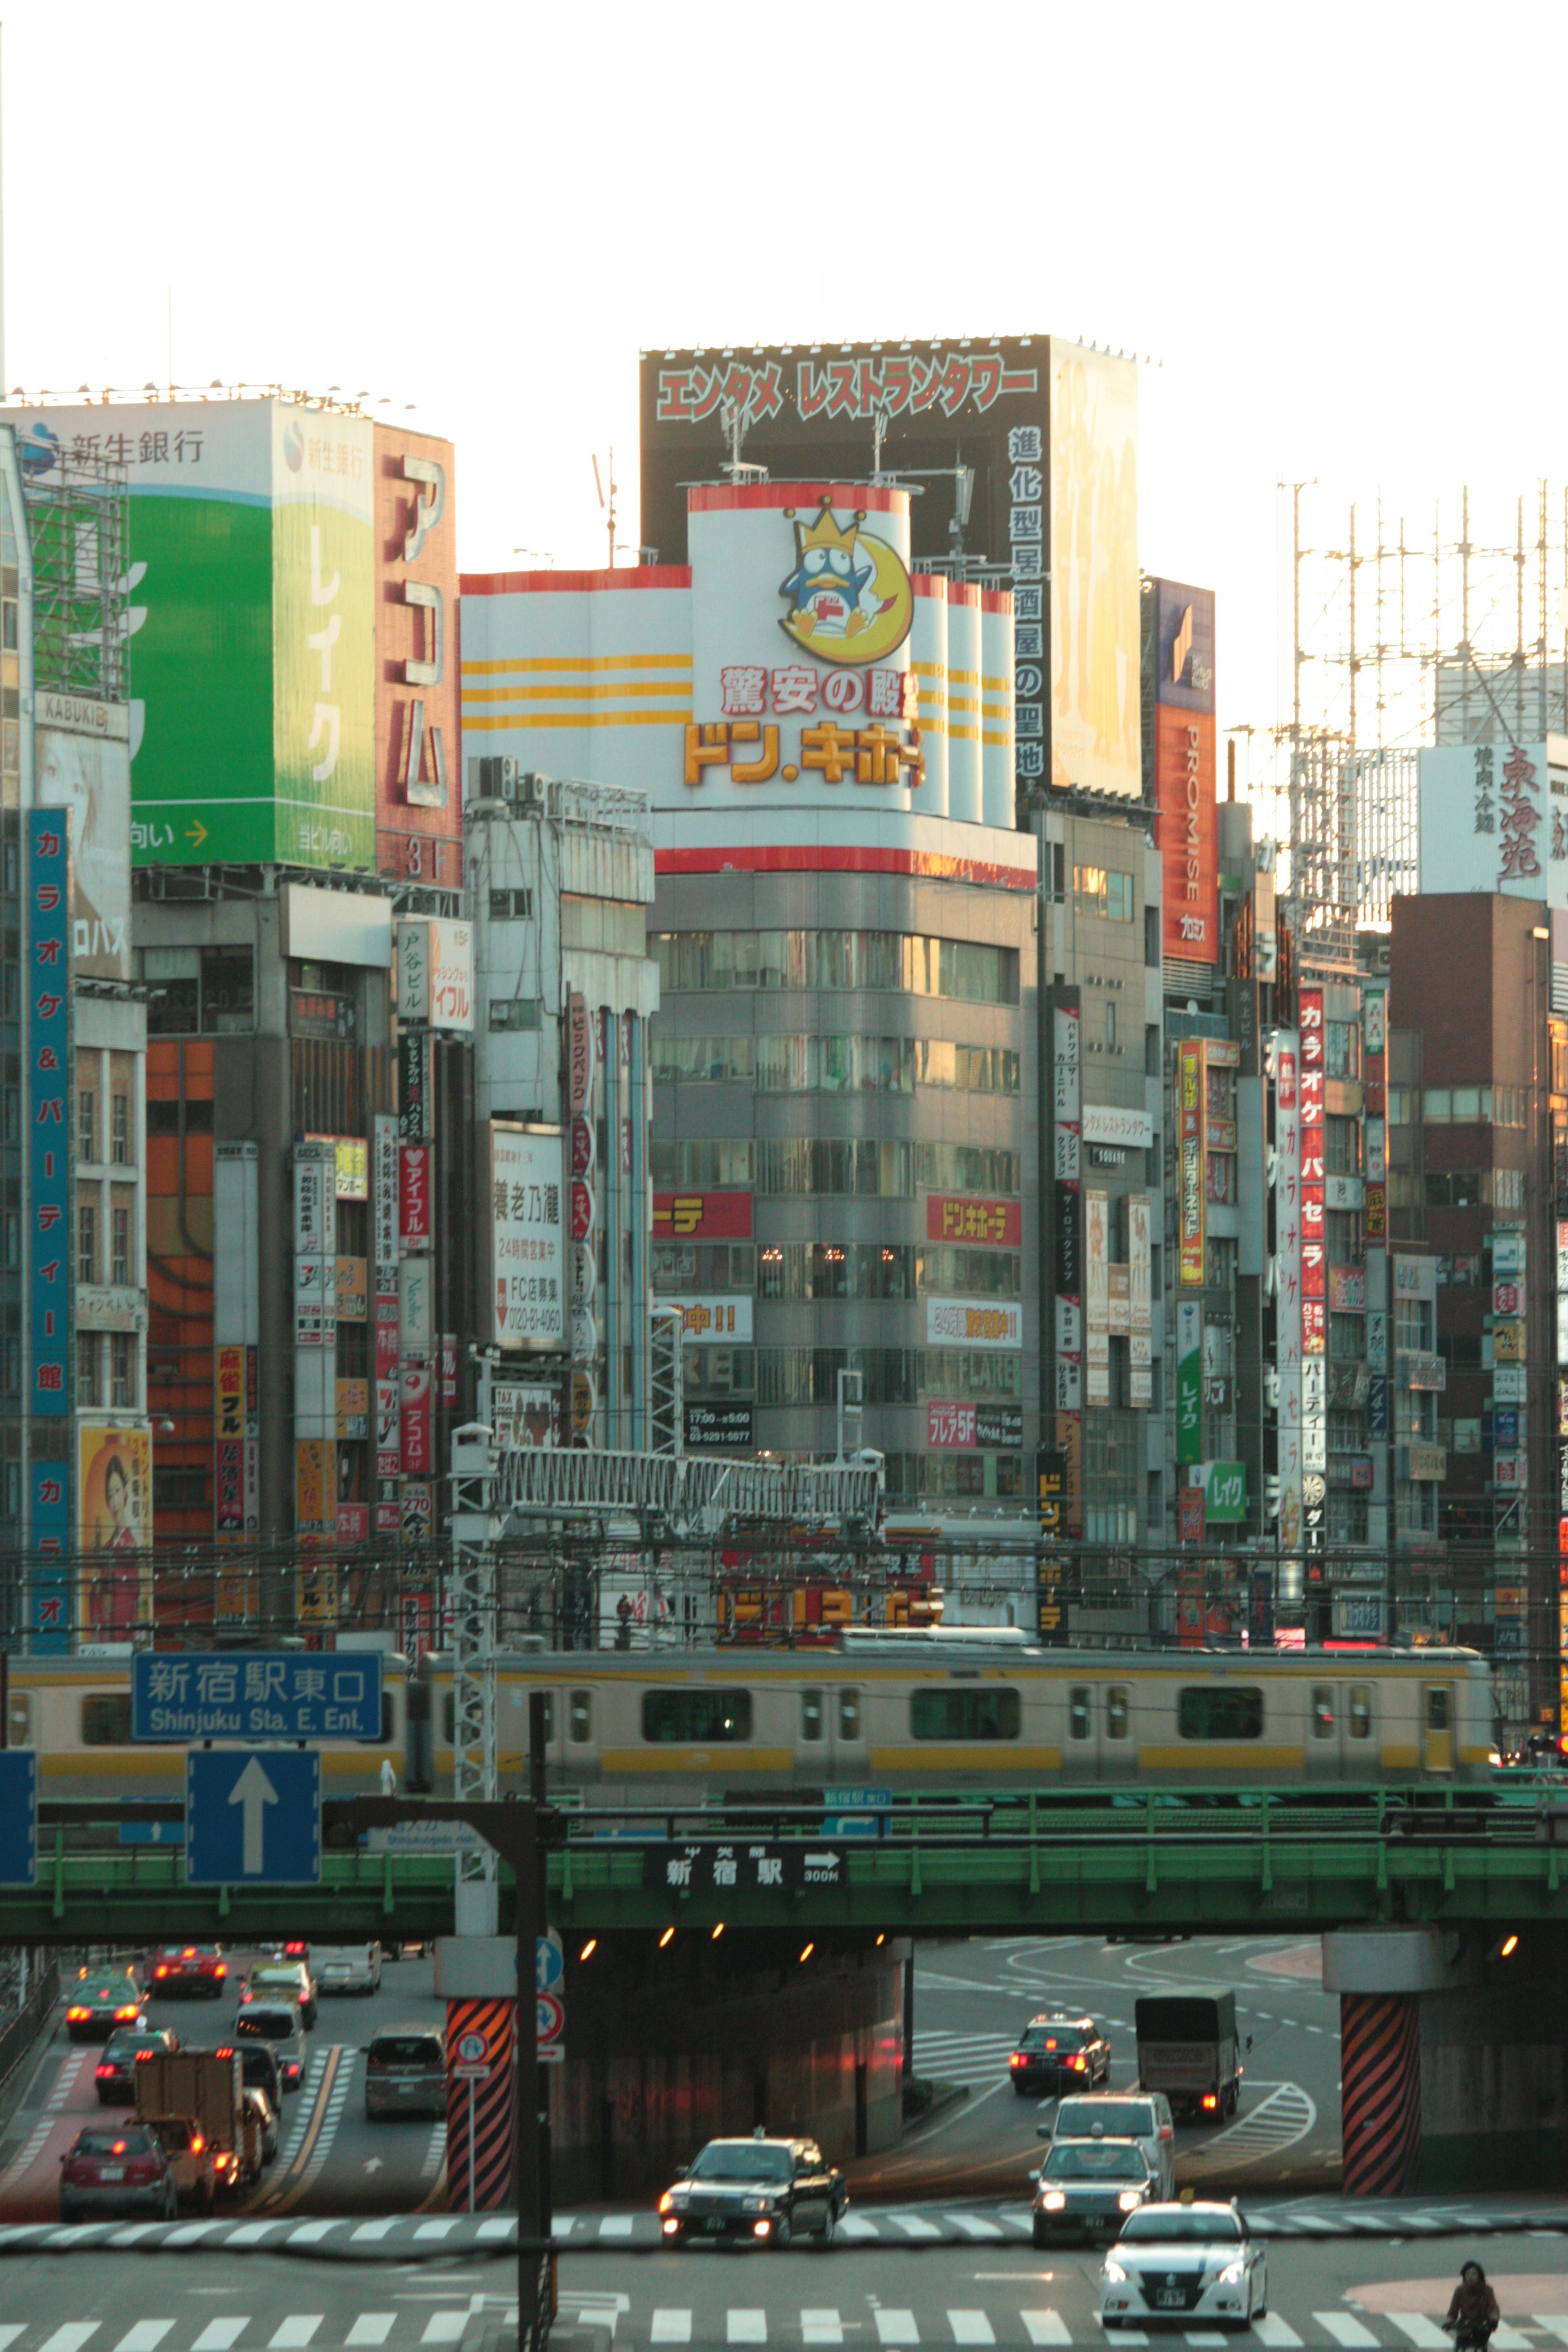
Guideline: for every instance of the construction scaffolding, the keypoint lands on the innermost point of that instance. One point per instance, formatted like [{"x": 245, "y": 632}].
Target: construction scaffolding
[
  {"x": 79, "y": 522},
  {"x": 1397, "y": 644}
]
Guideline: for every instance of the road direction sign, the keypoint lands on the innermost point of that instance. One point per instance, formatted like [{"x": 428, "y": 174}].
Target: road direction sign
[
  {"x": 253, "y": 1817},
  {"x": 255, "y": 1694},
  {"x": 18, "y": 1817},
  {"x": 471, "y": 2059},
  {"x": 549, "y": 1960},
  {"x": 550, "y": 2030}
]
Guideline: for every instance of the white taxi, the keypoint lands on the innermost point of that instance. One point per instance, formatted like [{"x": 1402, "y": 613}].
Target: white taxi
[{"x": 1184, "y": 2262}]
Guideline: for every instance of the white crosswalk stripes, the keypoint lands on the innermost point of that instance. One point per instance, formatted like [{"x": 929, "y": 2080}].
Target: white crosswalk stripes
[
  {"x": 914, "y": 2225},
  {"x": 670, "y": 2327},
  {"x": 222, "y": 2334},
  {"x": 1421, "y": 2330},
  {"x": 294, "y": 2333},
  {"x": 971, "y": 2226},
  {"x": 1345, "y": 2329},
  {"x": 821, "y": 2328},
  {"x": 1276, "y": 2333},
  {"x": 445, "y": 2327},
  {"x": 1046, "y": 2328},
  {"x": 71, "y": 2338},
  {"x": 1552, "y": 2323},
  {"x": 146, "y": 2336},
  {"x": 897, "y": 2328},
  {"x": 371, "y": 2329},
  {"x": 746, "y": 2328},
  {"x": 970, "y": 2327}
]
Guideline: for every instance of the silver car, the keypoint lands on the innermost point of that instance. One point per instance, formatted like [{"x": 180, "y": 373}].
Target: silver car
[
  {"x": 1141, "y": 2116},
  {"x": 347, "y": 1968},
  {"x": 405, "y": 2074}
]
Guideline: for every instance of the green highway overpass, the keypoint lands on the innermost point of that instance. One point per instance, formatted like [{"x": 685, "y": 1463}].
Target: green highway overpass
[{"x": 1192, "y": 1861}]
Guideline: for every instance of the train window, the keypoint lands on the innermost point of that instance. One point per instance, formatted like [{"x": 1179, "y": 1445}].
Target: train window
[
  {"x": 388, "y": 1727},
  {"x": 964, "y": 1714},
  {"x": 1118, "y": 1712},
  {"x": 106, "y": 1719},
  {"x": 19, "y": 1732},
  {"x": 448, "y": 1717},
  {"x": 1322, "y": 1710},
  {"x": 848, "y": 1715},
  {"x": 1360, "y": 1710},
  {"x": 1222, "y": 1712},
  {"x": 1436, "y": 1708},
  {"x": 579, "y": 1718},
  {"x": 1080, "y": 1712},
  {"x": 811, "y": 1715},
  {"x": 695, "y": 1717}
]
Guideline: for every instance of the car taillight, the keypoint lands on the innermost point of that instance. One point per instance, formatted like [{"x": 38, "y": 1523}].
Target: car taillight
[
  {"x": 160, "y": 1969},
  {"x": 189, "y": 1953},
  {"x": 222, "y": 2163},
  {"x": 125, "y": 2016},
  {"x": 74, "y": 2016},
  {"x": 292, "y": 2069},
  {"x": 1079, "y": 2063},
  {"x": 1016, "y": 2059},
  {"x": 1210, "y": 2100},
  {"x": 221, "y": 1970},
  {"x": 103, "y": 2071},
  {"x": 142, "y": 2167},
  {"x": 197, "y": 2144}
]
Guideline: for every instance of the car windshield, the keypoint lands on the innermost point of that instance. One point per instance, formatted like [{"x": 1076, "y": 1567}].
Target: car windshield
[
  {"x": 187, "y": 1951},
  {"x": 407, "y": 2049},
  {"x": 105, "y": 2143},
  {"x": 1054, "y": 2037},
  {"x": 1165, "y": 2225},
  {"x": 742, "y": 2159},
  {"x": 1116, "y": 2118},
  {"x": 126, "y": 2045},
  {"x": 1095, "y": 2159},
  {"x": 284, "y": 1972},
  {"x": 256, "y": 2066},
  {"x": 275, "y": 2024}
]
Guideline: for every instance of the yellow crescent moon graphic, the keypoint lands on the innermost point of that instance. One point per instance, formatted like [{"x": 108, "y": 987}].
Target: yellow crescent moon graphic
[{"x": 881, "y": 635}]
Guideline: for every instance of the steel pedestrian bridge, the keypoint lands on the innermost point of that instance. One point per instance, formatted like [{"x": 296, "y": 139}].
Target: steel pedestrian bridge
[{"x": 1162, "y": 1861}]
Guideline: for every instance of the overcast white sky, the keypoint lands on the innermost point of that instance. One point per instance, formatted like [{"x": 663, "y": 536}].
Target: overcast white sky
[{"x": 1338, "y": 228}]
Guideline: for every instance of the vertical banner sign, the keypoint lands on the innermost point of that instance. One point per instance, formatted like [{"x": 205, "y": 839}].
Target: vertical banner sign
[
  {"x": 579, "y": 1051},
  {"x": 1051, "y": 1477},
  {"x": 49, "y": 1014},
  {"x": 1190, "y": 1114},
  {"x": 386, "y": 1395},
  {"x": 417, "y": 1417},
  {"x": 1096, "y": 1298},
  {"x": 480, "y": 2104},
  {"x": 228, "y": 1408},
  {"x": 1314, "y": 1276},
  {"x": 384, "y": 1198},
  {"x": 1067, "y": 1135},
  {"x": 1189, "y": 1381},
  {"x": 1139, "y": 1301},
  {"x": 414, "y": 1120},
  {"x": 413, "y": 1196},
  {"x": 1288, "y": 1279},
  {"x": 50, "y": 1487},
  {"x": 315, "y": 1259}
]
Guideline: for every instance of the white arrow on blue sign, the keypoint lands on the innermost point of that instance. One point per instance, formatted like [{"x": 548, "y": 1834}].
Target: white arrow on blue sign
[
  {"x": 253, "y": 1818},
  {"x": 548, "y": 1961},
  {"x": 18, "y": 1817}
]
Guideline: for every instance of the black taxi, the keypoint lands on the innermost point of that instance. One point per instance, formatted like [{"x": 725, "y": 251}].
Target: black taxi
[
  {"x": 769, "y": 2192},
  {"x": 1063, "y": 2052}
]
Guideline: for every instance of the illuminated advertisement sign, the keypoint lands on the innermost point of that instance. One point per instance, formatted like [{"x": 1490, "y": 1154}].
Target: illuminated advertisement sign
[
  {"x": 528, "y": 1246},
  {"x": 49, "y": 1132},
  {"x": 999, "y": 1224},
  {"x": 1285, "y": 1062},
  {"x": 1189, "y": 1107},
  {"x": 1189, "y": 832},
  {"x": 702, "y": 1216},
  {"x": 418, "y": 798},
  {"x": 1314, "y": 1240}
]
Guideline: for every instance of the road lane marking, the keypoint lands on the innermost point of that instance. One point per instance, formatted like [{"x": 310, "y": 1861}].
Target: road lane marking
[
  {"x": 855, "y": 2225},
  {"x": 1345, "y": 2329},
  {"x": 1046, "y": 2328},
  {"x": 914, "y": 2225},
  {"x": 445, "y": 2328},
  {"x": 971, "y": 2327},
  {"x": 746, "y": 2326},
  {"x": 670, "y": 2327},
  {"x": 897, "y": 2328},
  {"x": 146, "y": 2336},
  {"x": 71, "y": 2338},
  {"x": 372, "y": 2328},
  {"x": 48, "y": 2117},
  {"x": 295, "y": 2332},
  {"x": 971, "y": 2226},
  {"x": 617, "y": 2225},
  {"x": 1419, "y": 2328},
  {"x": 221, "y": 2334},
  {"x": 821, "y": 2328},
  {"x": 1274, "y": 2332}
]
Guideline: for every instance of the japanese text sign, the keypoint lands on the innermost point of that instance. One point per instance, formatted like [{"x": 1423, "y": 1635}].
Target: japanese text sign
[
  {"x": 249, "y": 1695},
  {"x": 47, "y": 996}
]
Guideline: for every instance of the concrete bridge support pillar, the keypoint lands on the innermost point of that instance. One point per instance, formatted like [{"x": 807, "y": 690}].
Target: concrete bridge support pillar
[{"x": 1453, "y": 2047}]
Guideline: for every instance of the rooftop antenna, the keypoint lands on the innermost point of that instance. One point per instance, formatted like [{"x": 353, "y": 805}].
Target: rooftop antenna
[
  {"x": 735, "y": 464},
  {"x": 607, "y": 506}
]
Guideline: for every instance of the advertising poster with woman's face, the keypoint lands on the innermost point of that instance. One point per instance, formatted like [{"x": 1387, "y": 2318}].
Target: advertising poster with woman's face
[{"x": 114, "y": 1501}]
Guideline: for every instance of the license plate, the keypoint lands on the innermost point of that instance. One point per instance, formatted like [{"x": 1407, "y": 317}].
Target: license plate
[
  {"x": 111, "y": 2172},
  {"x": 715, "y": 2224},
  {"x": 1170, "y": 2298}
]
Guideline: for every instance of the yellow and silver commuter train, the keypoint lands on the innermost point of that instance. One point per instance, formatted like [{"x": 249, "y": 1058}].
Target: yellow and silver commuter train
[
  {"x": 944, "y": 1710},
  {"x": 949, "y": 1711}
]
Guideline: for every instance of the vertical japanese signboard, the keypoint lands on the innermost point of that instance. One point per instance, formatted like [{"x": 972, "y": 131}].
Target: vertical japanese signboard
[
  {"x": 1139, "y": 1301},
  {"x": 1314, "y": 1276},
  {"x": 1185, "y": 769},
  {"x": 1189, "y": 1381},
  {"x": 528, "y": 1264},
  {"x": 315, "y": 1251},
  {"x": 413, "y": 1196},
  {"x": 1096, "y": 1298},
  {"x": 418, "y": 809},
  {"x": 1288, "y": 1279},
  {"x": 49, "y": 1133},
  {"x": 1190, "y": 1104},
  {"x": 1066, "y": 1134}
]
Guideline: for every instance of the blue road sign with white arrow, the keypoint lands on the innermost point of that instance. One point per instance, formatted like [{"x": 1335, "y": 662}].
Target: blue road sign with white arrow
[
  {"x": 18, "y": 1817},
  {"x": 253, "y": 1817}
]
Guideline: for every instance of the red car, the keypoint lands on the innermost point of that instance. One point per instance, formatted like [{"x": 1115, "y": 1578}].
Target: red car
[
  {"x": 117, "y": 2169},
  {"x": 186, "y": 1968}
]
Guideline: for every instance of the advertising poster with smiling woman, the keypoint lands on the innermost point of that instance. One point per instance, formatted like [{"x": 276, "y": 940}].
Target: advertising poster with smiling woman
[{"x": 114, "y": 1488}]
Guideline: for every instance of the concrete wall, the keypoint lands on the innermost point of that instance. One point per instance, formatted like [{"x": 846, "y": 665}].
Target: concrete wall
[{"x": 667, "y": 2050}]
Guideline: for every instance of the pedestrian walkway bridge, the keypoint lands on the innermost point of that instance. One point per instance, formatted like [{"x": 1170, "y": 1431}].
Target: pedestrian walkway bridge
[{"x": 1192, "y": 1861}]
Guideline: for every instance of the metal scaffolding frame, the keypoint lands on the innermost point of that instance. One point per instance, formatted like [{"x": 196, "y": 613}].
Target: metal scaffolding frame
[{"x": 79, "y": 523}]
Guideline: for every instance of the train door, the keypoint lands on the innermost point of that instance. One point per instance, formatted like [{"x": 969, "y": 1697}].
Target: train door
[
  {"x": 848, "y": 1729},
  {"x": 1099, "y": 1744},
  {"x": 1081, "y": 1748},
  {"x": 1325, "y": 1731},
  {"x": 1436, "y": 1727}
]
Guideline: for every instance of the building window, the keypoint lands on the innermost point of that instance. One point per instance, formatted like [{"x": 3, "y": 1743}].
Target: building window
[
  {"x": 120, "y": 1131},
  {"x": 121, "y": 1369},
  {"x": 120, "y": 1252},
  {"x": 1457, "y": 1106},
  {"x": 1096, "y": 890},
  {"x": 1454, "y": 1188},
  {"x": 86, "y": 1125},
  {"x": 1413, "y": 1326},
  {"x": 199, "y": 992},
  {"x": 1344, "y": 1056},
  {"x": 87, "y": 1356},
  {"x": 1342, "y": 1147},
  {"x": 916, "y": 964},
  {"x": 1110, "y": 1028},
  {"x": 86, "y": 1242}
]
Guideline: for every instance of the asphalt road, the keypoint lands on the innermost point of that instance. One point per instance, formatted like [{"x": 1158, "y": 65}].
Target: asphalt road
[
  {"x": 329, "y": 2158},
  {"x": 972, "y": 2000},
  {"x": 1353, "y": 2296}
]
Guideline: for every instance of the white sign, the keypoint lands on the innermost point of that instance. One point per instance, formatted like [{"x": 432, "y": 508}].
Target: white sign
[
  {"x": 528, "y": 1257},
  {"x": 436, "y": 973},
  {"x": 89, "y": 772},
  {"x": 974, "y": 1323},
  {"x": 1108, "y": 1123},
  {"x": 710, "y": 1318},
  {"x": 415, "y": 1295},
  {"x": 1494, "y": 817}
]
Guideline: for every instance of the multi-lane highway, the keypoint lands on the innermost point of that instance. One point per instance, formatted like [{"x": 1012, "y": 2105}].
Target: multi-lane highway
[
  {"x": 331, "y": 2159},
  {"x": 971, "y": 1999},
  {"x": 1342, "y": 2296}
]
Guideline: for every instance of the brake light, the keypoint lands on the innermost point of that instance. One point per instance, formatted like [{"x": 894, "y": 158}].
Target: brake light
[
  {"x": 103, "y": 2072},
  {"x": 160, "y": 1971},
  {"x": 189, "y": 1953},
  {"x": 221, "y": 2163},
  {"x": 123, "y": 2016},
  {"x": 74, "y": 2016},
  {"x": 197, "y": 2144},
  {"x": 1079, "y": 2063},
  {"x": 1210, "y": 2100},
  {"x": 221, "y": 1970},
  {"x": 1017, "y": 2058},
  {"x": 119, "y": 2148}
]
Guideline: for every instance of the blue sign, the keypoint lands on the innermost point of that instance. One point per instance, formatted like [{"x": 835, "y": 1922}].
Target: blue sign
[
  {"x": 49, "y": 1574},
  {"x": 46, "y": 992},
  {"x": 18, "y": 1817},
  {"x": 853, "y": 1800},
  {"x": 252, "y": 1695},
  {"x": 253, "y": 1818},
  {"x": 1377, "y": 1408},
  {"x": 549, "y": 1960}
]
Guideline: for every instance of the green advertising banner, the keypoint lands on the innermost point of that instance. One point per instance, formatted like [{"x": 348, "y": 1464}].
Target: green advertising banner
[
  {"x": 1189, "y": 1381},
  {"x": 1225, "y": 1491},
  {"x": 251, "y": 622}
]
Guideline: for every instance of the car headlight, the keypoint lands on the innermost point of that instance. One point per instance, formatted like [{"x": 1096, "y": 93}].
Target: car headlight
[
  {"x": 1113, "y": 2272},
  {"x": 666, "y": 2201},
  {"x": 1053, "y": 2200},
  {"x": 1129, "y": 2199},
  {"x": 1231, "y": 2274},
  {"x": 757, "y": 2205}
]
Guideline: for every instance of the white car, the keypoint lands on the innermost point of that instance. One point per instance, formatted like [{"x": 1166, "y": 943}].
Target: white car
[
  {"x": 1187, "y": 2263},
  {"x": 1141, "y": 2116}
]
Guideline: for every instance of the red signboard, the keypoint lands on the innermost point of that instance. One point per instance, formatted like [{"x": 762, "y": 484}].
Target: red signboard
[
  {"x": 353, "y": 1522},
  {"x": 999, "y": 1222},
  {"x": 387, "y": 1336},
  {"x": 417, "y": 1420},
  {"x": 418, "y": 750},
  {"x": 582, "y": 1147},
  {"x": 702, "y": 1216},
  {"x": 581, "y": 1211},
  {"x": 1314, "y": 1252},
  {"x": 949, "y": 1424},
  {"x": 1189, "y": 829},
  {"x": 448, "y": 1368},
  {"x": 413, "y": 1194},
  {"x": 1189, "y": 1514},
  {"x": 388, "y": 1426}
]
